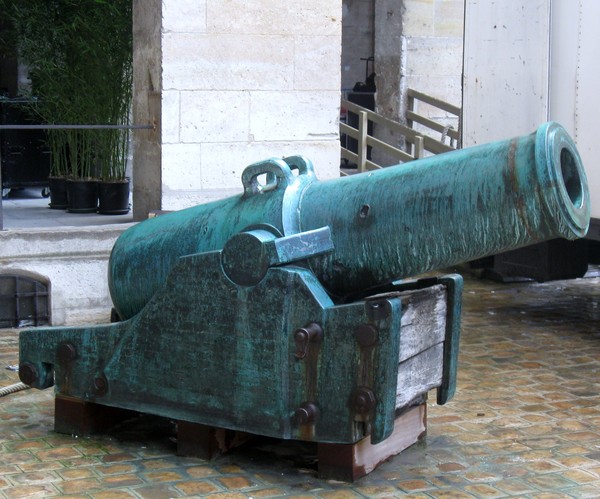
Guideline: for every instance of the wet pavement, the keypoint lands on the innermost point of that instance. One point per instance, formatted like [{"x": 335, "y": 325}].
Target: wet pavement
[{"x": 525, "y": 422}]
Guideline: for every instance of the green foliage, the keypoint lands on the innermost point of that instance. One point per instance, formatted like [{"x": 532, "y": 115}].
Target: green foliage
[{"x": 79, "y": 54}]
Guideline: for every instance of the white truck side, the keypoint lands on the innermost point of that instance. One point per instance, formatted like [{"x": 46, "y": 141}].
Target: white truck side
[{"x": 530, "y": 61}]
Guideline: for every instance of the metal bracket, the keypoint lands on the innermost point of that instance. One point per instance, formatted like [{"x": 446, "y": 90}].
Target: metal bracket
[{"x": 247, "y": 256}]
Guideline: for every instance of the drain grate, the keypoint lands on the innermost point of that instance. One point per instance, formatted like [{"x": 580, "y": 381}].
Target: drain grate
[{"x": 24, "y": 301}]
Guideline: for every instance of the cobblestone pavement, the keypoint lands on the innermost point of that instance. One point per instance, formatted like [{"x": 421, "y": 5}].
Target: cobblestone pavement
[{"x": 525, "y": 422}]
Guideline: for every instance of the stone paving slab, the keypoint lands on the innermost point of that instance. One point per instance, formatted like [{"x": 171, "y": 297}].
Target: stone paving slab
[{"x": 525, "y": 422}]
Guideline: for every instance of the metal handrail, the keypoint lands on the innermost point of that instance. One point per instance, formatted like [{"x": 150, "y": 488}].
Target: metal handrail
[
  {"x": 77, "y": 127},
  {"x": 434, "y": 101},
  {"x": 417, "y": 142},
  {"x": 445, "y": 131}
]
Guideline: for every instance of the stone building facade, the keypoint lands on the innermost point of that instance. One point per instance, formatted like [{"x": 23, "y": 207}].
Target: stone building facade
[{"x": 231, "y": 83}]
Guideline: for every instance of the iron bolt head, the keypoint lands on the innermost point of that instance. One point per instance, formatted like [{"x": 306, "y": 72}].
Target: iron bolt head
[
  {"x": 301, "y": 335},
  {"x": 311, "y": 333},
  {"x": 378, "y": 310},
  {"x": 366, "y": 335},
  {"x": 306, "y": 413},
  {"x": 100, "y": 385},
  {"x": 363, "y": 400},
  {"x": 66, "y": 352},
  {"x": 28, "y": 373}
]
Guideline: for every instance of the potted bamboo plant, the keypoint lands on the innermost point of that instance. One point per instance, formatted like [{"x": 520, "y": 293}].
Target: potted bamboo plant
[
  {"x": 110, "y": 76},
  {"x": 113, "y": 186},
  {"x": 57, "y": 181},
  {"x": 79, "y": 53}
]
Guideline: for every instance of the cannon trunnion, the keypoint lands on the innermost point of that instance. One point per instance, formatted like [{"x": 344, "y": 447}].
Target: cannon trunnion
[{"x": 280, "y": 313}]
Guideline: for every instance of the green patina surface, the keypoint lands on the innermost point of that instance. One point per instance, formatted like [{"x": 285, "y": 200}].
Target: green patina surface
[{"x": 239, "y": 313}]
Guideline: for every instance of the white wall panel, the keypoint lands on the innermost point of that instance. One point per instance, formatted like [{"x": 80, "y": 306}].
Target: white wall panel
[
  {"x": 506, "y": 64},
  {"x": 575, "y": 83}
]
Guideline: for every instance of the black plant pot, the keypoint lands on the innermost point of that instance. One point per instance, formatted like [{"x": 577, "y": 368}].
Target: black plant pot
[
  {"x": 113, "y": 197},
  {"x": 83, "y": 196},
  {"x": 58, "y": 193}
]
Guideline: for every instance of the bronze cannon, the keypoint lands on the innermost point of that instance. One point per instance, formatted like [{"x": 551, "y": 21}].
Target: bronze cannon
[{"x": 289, "y": 310}]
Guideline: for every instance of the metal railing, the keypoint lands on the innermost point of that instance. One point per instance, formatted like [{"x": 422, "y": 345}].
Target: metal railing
[
  {"x": 358, "y": 142},
  {"x": 78, "y": 127},
  {"x": 413, "y": 116}
]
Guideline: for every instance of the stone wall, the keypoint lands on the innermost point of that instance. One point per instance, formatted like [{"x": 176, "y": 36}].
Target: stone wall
[
  {"x": 74, "y": 261},
  {"x": 243, "y": 81}
]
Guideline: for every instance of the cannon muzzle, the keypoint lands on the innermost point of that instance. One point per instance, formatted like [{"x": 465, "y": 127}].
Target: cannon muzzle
[{"x": 387, "y": 224}]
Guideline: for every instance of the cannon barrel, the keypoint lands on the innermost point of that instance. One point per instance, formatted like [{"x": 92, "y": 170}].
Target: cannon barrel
[{"x": 387, "y": 224}]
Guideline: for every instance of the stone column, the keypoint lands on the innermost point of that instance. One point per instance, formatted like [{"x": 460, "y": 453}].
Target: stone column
[
  {"x": 147, "y": 88},
  {"x": 390, "y": 54},
  {"x": 418, "y": 44}
]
